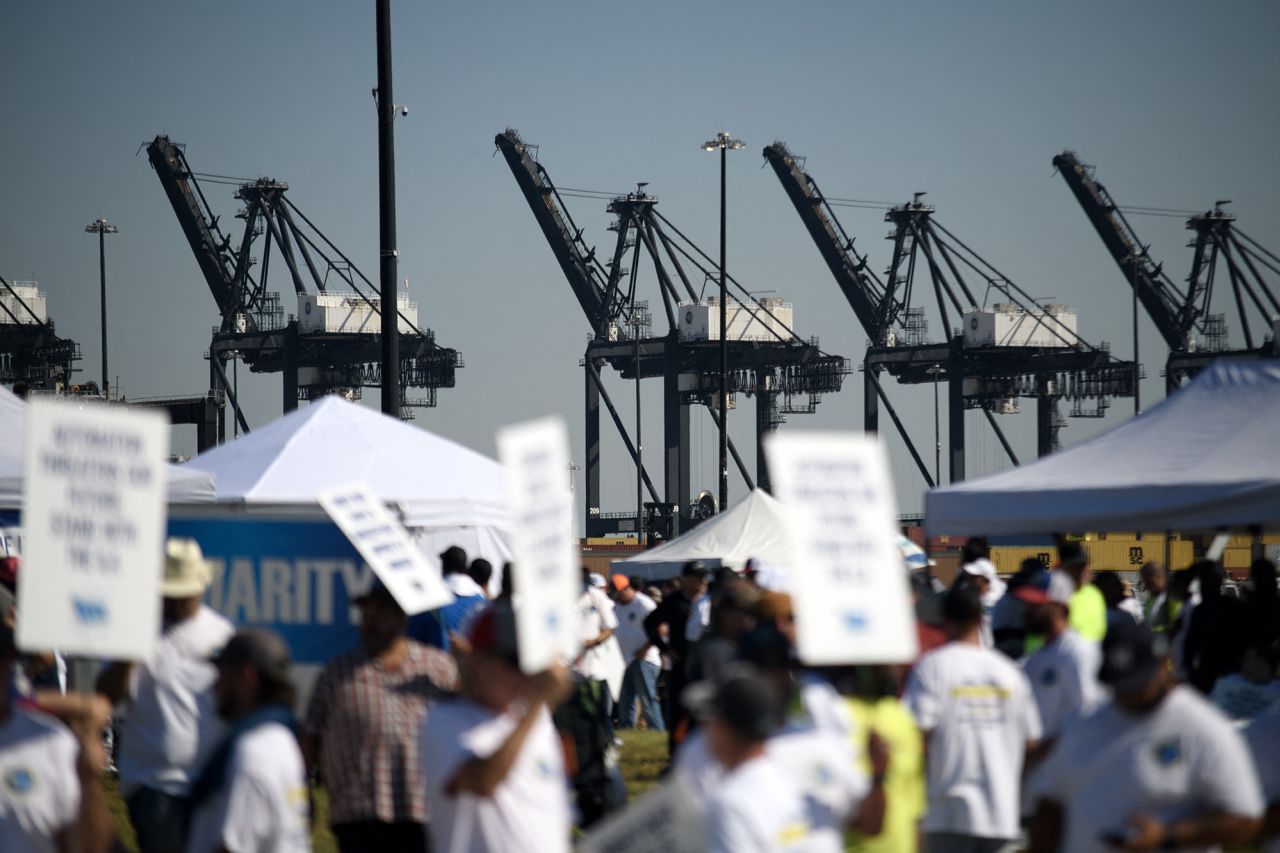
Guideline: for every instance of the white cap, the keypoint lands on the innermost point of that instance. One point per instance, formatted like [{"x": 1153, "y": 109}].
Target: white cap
[
  {"x": 982, "y": 568},
  {"x": 598, "y": 581}
]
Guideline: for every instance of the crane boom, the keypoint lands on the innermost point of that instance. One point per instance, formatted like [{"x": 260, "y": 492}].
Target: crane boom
[
  {"x": 1169, "y": 309},
  {"x": 216, "y": 262},
  {"x": 565, "y": 240},
  {"x": 865, "y": 295}
]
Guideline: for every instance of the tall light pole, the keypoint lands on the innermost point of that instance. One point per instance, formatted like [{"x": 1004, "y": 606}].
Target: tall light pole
[
  {"x": 1137, "y": 370},
  {"x": 387, "y": 216},
  {"x": 102, "y": 228},
  {"x": 723, "y": 142}
]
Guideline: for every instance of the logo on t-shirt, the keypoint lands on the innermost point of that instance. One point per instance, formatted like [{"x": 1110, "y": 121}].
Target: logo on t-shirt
[
  {"x": 1049, "y": 677},
  {"x": 1168, "y": 752},
  {"x": 631, "y": 617},
  {"x": 19, "y": 781}
]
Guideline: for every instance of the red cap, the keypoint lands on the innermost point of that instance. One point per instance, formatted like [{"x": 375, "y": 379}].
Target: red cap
[{"x": 620, "y": 582}]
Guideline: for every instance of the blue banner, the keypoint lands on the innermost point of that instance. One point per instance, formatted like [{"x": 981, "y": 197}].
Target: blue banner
[{"x": 296, "y": 577}]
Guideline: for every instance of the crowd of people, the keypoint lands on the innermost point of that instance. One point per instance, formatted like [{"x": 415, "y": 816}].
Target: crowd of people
[{"x": 1052, "y": 710}]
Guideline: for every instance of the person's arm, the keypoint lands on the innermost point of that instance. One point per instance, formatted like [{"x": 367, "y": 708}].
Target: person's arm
[
  {"x": 1046, "y": 827},
  {"x": 653, "y": 624},
  {"x": 113, "y": 682},
  {"x": 482, "y": 776},
  {"x": 869, "y": 819},
  {"x": 1211, "y": 828},
  {"x": 90, "y": 831}
]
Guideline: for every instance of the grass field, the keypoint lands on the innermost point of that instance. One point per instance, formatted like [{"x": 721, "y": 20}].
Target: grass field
[{"x": 644, "y": 754}]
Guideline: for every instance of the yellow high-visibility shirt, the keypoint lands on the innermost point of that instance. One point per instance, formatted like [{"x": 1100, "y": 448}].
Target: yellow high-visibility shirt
[
  {"x": 904, "y": 792},
  {"x": 1087, "y": 613}
]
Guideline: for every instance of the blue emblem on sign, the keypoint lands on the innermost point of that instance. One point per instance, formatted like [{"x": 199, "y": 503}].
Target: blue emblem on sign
[
  {"x": 89, "y": 612},
  {"x": 1169, "y": 752},
  {"x": 1049, "y": 678},
  {"x": 856, "y": 621},
  {"x": 19, "y": 781}
]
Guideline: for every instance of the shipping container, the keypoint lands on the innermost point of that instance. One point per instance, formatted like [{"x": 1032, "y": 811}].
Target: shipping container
[
  {"x": 350, "y": 313},
  {"x": 1008, "y": 325},
  {"x": 770, "y": 320}
]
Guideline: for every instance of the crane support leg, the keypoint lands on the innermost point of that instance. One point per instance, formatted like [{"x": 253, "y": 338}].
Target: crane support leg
[
  {"x": 1046, "y": 418},
  {"x": 766, "y": 402},
  {"x": 591, "y": 464},
  {"x": 877, "y": 391},
  {"x": 594, "y": 376},
  {"x": 1004, "y": 442},
  {"x": 290, "y": 373},
  {"x": 675, "y": 443},
  {"x": 870, "y": 399},
  {"x": 218, "y": 383},
  {"x": 955, "y": 424}
]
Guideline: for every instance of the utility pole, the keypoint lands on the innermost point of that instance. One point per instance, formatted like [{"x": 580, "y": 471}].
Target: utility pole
[
  {"x": 387, "y": 217},
  {"x": 723, "y": 141},
  {"x": 102, "y": 228}
]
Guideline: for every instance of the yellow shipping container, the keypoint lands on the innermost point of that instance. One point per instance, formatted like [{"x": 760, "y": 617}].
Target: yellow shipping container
[
  {"x": 1237, "y": 559},
  {"x": 1125, "y": 555}
]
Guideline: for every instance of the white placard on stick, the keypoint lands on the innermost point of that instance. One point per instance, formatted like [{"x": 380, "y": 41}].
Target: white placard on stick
[
  {"x": 547, "y": 579},
  {"x": 413, "y": 581},
  {"x": 93, "y": 520},
  {"x": 849, "y": 585}
]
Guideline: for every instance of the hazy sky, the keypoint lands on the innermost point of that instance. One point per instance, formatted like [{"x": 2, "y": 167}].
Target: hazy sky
[{"x": 1174, "y": 101}]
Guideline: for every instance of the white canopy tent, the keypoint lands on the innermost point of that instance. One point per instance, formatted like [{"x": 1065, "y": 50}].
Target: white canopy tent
[
  {"x": 185, "y": 486},
  {"x": 446, "y": 493},
  {"x": 755, "y": 527},
  {"x": 1207, "y": 456}
]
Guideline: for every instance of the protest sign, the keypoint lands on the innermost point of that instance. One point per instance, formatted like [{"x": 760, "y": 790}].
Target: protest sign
[
  {"x": 93, "y": 529},
  {"x": 662, "y": 821},
  {"x": 413, "y": 581},
  {"x": 849, "y": 585},
  {"x": 546, "y": 577}
]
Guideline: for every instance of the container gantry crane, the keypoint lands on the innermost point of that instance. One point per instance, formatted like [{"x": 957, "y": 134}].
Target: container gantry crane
[
  {"x": 1195, "y": 336},
  {"x": 988, "y": 359},
  {"x": 30, "y": 349},
  {"x": 785, "y": 374},
  {"x": 332, "y": 346}
]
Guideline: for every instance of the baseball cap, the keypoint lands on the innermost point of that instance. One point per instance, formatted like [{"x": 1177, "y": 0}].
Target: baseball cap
[
  {"x": 981, "y": 568},
  {"x": 743, "y": 698},
  {"x": 597, "y": 580},
  {"x": 186, "y": 572},
  {"x": 493, "y": 632},
  {"x": 263, "y": 649},
  {"x": 694, "y": 568},
  {"x": 1046, "y": 586},
  {"x": 620, "y": 582},
  {"x": 1131, "y": 656}
]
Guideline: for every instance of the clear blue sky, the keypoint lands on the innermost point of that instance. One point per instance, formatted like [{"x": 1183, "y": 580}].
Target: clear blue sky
[{"x": 1175, "y": 102}]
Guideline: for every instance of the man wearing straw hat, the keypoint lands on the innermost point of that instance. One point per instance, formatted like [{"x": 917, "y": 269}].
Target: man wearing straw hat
[{"x": 172, "y": 724}]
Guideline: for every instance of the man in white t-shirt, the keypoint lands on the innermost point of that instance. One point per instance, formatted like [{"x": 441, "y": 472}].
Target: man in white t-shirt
[
  {"x": 644, "y": 662},
  {"x": 171, "y": 725},
  {"x": 757, "y": 807},
  {"x": 51, "y": 796},
  {"x": 979, "y": 720},
  {"x": 252, "y": 796},
  {"x": 495, "y": 772},
  {"x": 598, "y": 623},
  {"x": 1156, "y": 768},
  {"x": 1064, "y": 671}
]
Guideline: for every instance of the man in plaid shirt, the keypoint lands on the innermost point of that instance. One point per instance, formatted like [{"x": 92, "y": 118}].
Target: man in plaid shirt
[{"x": 361, "y": 730}]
